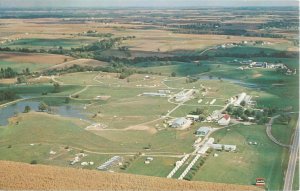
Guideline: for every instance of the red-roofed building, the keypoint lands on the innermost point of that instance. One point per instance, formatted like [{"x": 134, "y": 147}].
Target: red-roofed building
[
  {"x": 225, "y": 120},
  {"x": 260, "y": 182}
]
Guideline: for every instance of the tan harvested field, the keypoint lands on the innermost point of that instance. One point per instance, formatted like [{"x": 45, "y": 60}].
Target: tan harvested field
[
  {"x": 80, "y": 62},
  {"x": 38, "y": 177},
  {"x": 34, "y": 58},
  {"x": 149, "y": 40}
]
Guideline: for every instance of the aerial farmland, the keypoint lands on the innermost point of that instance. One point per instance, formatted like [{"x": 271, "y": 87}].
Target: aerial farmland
[{"x": 200, "y": 95}]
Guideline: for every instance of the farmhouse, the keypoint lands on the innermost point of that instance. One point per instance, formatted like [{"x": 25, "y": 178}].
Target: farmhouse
[
  {"x": 181, "y": 123},
  {"x": 203, "y": 131},
  {"x": 225, "y": 120}
]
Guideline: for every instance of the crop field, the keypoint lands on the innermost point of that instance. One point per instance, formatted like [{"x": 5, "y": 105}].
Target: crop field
[
  {"x": 48, "y": 43},
  {"x": 97, "y": 180},
  {"x": 34, "y": 58},
  {"x": 19, "y": 67}
]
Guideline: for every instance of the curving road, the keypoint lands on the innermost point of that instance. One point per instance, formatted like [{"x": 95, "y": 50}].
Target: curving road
[{"x": 269, "y": 132}]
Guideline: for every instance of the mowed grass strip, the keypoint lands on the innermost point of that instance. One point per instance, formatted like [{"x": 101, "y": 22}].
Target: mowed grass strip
[{"x": 160, "y": 166}]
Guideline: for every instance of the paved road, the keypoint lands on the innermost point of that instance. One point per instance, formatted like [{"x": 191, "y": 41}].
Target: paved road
[
  {"x": 289, "y": 176},
  {"x": 269, "y": 132}
]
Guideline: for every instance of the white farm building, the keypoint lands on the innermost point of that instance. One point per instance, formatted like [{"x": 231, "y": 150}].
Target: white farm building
[
  {"x": 225, "y": 120},
  {"x": 181, "y": 123}
]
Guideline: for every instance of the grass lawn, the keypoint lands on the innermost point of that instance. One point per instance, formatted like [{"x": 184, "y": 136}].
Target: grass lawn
[
  {"x": 20, "y": 66},
  {"x": 250, "y": 161},
  {"x": 283, "y": 132},
  {"x": 160, "y": 166},
  {"x": 296, "y": 177},
  {"x": 180, "y": 68},
  {"x": 47, "y": 43}
]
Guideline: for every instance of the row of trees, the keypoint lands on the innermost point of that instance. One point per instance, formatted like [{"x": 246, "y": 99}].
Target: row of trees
[
  {"x": 7, "y": 73},
  {"x": 7, "y": 95},
  {"x": 11, "y": 73},
  {"x": 130, "y": 160}
]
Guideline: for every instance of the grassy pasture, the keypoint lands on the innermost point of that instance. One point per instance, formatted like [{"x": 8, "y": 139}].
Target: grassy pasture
[
  {"x": 34, "y": 58},
  {"x": 283, "y": 132},
  {"x": 264, "y": 159},
  {"x": 48, "y": 43},
  {"x": 160, "y": 166},
  {"x": 19, "y": 67}
]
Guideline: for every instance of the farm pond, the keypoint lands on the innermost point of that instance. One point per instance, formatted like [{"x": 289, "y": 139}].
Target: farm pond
[{"x": 62, "y": 110}]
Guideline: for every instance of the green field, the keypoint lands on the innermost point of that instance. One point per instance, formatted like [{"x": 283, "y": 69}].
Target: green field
[
  {"x": 296, "y": 178},
  {"x": 19, "y": 67},
  {"x": 249, "y": 162},
  {"x": 160, "y": 166},
  {"x": 283, "y": 132},
  {"x": 48, "y": 43}
]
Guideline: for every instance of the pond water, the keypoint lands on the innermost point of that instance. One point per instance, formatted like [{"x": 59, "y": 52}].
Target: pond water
[{"x": 63, "y": 110}]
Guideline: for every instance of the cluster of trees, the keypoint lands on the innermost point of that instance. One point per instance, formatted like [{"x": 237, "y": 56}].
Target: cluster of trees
[
  {"x": 123, "y": 70},
  {"x": 284, "y": 118},
  {"x": 11, "y": 73},
  {"x": 283, "y": 24},
  {"x": 136, "y": 60},
  {"x": 101, "y": 45},
  {"x": 27, "y": 109},
  {"x": 92, "y": 33},
  {"x": 279, "y": 54},
  {"x": 104, "y": 44},
  {"x": 57, "y": 87},
  {"x": 7, "y": 73},
  {"x": 43, "y": 107},
  {"x": 200, "y": 112},
  {"x": 220, "y": 29},
  {"x": 7, "y": 95},
  {"x": 260, "y": 116},
  {"x": 129, "y": 161}
]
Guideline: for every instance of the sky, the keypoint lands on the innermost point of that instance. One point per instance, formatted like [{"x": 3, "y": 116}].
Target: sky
[{"x": 143, "y": 3}]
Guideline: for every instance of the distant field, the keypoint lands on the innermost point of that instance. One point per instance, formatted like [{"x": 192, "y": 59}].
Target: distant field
[
  {"x": 80, "y": 62},
  {"x": 47, "y": 43},
  {"x": 35, "y": 62},
  {"x": 34, "y": 58}
]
